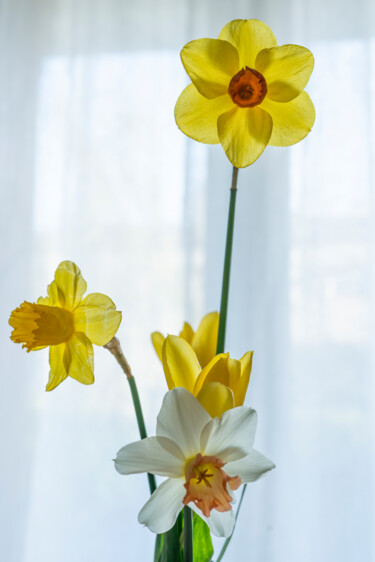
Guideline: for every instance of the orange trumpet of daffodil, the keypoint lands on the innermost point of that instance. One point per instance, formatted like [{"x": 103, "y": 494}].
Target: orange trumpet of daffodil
[
  {"x": 67, "y": 324},
  {"x": 246, "y": 92},
  {"x": 219, "y": 386}
]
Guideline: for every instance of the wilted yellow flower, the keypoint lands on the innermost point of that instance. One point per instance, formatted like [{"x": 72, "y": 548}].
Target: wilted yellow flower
[
  {"x": 68, "y": 324},
  {"x": 203, "y": 341},
  {"x": 246, "y": 92},
  {"x": 219, "y": 386}
]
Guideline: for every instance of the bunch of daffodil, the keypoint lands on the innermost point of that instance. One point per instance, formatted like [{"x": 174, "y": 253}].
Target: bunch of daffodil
[
  {"x": 67, "y": 324},
  {"x": 219, "y": 386},
  {"x": 203, "y": 341},
  {"x": 246, "y": 91},
  {"x": 204, "y": 460}
]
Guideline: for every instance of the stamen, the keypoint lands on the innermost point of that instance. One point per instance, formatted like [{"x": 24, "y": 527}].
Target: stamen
[
  {"x": 206, "y": 484},
  {"x": 202, "y": 475}
]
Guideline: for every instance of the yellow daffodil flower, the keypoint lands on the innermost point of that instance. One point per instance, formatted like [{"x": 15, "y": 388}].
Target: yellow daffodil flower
[
  {"x": 67, "y": 324},
  {"x": 246, "y": 92},
  {"x": 219, "y": 386},
  {"x": 203, "y": 341}
]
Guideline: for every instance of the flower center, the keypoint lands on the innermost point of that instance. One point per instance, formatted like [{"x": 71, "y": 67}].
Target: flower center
[
  {"x": 248, "y": 87},
  {"x": 39, "y": 325},
  {"x": 206, "y": 484}
]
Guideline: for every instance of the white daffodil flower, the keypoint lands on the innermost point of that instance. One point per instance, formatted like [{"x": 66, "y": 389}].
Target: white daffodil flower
[{"x": 203, "y": 458}]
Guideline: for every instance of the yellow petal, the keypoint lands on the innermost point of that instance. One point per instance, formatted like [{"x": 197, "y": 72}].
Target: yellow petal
[
  {"x": 58, "y": 372},
  {"x": 249, "y": 37},
  {"x": 157, "y": 341},
  {"x": 180, "y": 363},
  {"x": 287, "y": 70},
  {"x": 211, "y": 64},
  {"x": 234, "y": 369},
  {"x": 187, "y": 332},
  {"x": 70, "y": 284},
  {"x": 292, "y": 120},
  {"x": 244, "y": 134},
  {"x": 240, "y": 390},
  {"x": 197, "y": 116},
  {"x": 216, "y": 398},
  {"x": 55, "y": 298},
  {"x": 79, "y": 358},
  {"x": 204, "y": 341},
  {"x": 97, "y": 317},
  {"x": 215, "y": 371}
]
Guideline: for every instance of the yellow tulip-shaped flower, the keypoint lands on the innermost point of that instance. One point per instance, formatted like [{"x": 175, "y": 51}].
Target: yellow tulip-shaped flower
[
  {"x": 68, "y": 324},
  {"x": 203, "y": 341},
  {"x": 246, "y": 92},
  {"x": 219, "y": 386}
]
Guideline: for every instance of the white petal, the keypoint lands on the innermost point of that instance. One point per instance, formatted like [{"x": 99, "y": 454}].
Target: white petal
[
  {"x": 250, "y": 468},
  {"x": 153, "y": 454},
  {"x": 220, "y": 523},
  {"x": 160, "y": 512},
  {"x": 182, "y": 419},
  {"x": 227, "y": 453},
  {"x": 231, "y": 437}
]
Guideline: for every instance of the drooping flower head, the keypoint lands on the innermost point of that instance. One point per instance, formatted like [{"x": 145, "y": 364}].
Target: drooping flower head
[
  {"x": 219, "y": 386},
  {"x": 246, "y": 91},
  {"x": 67, "y": 324},
  {"x": 204, "y": 460},
  {"x": 203, "y": 341}
]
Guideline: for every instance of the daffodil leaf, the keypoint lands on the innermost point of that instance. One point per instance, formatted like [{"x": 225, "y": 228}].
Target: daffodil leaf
[
  {"x": 172, "y": 551},
  {"x": 158, "y": 547},
  {"x": 202, "y": 543}
]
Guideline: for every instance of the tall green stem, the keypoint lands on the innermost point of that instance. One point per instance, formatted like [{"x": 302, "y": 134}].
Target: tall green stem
[
  {"x": 115, "y": 348},
  {"x": 227, "y": 263},
  {"x": 188, "y": 534},
  {"x": 141, "y": 425}
]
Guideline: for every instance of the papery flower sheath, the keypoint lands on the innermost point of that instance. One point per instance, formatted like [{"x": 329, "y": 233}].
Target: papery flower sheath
[
  {"x": 67, "y": 324},
  {"x": 203, "y": 341},
  {"x": 219, "y": 386},
  {"x": 204, "y": 460},
  {"x": 246, "y": 91}
]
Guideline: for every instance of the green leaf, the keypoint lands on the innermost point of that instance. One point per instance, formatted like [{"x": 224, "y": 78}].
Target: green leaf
[
  {"x": 202, "y": 543},
  {"x": 169, "y": 546},
  {"x": 172, "y": 551},
  {"x": 158, "y": 548}
]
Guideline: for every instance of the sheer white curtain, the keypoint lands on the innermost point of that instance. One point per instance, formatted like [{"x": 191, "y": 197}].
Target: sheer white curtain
[{"x": 93, "y": 169}]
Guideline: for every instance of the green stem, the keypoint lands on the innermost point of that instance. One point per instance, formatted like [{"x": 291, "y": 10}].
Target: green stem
[
  {"x": 225, "y": 545},
  {"x": 115, "y": 348},
  {"x": 227, "y": 263},
  {"x": 188, "y": 535},
  {"x": 141, "y": 425},
  {"x": 137, "y": 407}
]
